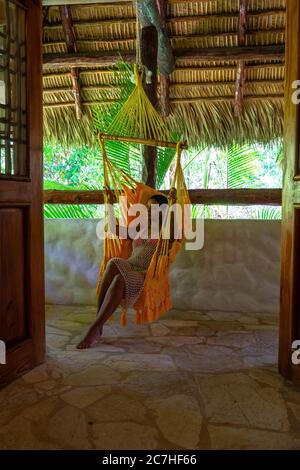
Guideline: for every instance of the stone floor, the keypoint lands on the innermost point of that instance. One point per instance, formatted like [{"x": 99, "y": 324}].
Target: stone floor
[{"x": 191, "y": 381}]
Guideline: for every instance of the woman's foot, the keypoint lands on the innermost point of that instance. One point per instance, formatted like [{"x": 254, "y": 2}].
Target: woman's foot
[{"x": 91, "y": 338}]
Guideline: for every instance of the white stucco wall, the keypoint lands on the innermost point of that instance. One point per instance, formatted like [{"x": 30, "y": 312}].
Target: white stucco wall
[{"x": 237, "y": 270}]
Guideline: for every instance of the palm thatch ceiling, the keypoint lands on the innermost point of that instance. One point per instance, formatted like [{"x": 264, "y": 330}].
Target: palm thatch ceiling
[{"x": 206, "y": 88}]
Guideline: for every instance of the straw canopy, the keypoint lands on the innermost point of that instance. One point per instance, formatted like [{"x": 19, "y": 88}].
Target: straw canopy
[{"x": 228, "y": 82}]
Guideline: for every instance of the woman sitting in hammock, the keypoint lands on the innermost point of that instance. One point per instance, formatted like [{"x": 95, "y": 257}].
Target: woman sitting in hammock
[{"x": 123, "y": 279}]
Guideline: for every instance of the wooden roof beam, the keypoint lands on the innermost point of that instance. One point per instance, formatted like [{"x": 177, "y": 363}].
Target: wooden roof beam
[
  {"x": 187, "y": 100},
  {"x": 102, "y": 59},
  {"x": 83, "y": 2},
  {"x": 173, "y": 86},
  {"x": 170, "y": 20},
  {"x": 240, "y": 72},
  {"x": 207, "y": 68},
  {"x": 66, "y": 18}
]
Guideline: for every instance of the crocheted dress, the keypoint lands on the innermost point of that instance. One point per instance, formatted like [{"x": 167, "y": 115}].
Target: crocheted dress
[{"x": 134, "y": 268}]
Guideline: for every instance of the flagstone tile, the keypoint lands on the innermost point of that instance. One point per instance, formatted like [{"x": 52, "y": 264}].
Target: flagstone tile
[
  {"x": 82, "y": 397},
  {"x": 158, "y": 329},
  {"x": 296, "y": 411},
  {"x": 18, "y": 434},
  {"x": 230, "y": 438},
  {"x": 179, "y": 420},
  {"x": 178, "y": 341},
  {"x": 238, "y": 399},
  {"x": 237, "y": 339},
  {"x": 95, "y": 375},
  {"x": 36, "y": 375},
  {"x": 124, "y": 436},
  {"x": 117, "y": 407},
  {"x": 40, "y": 410},
  {"x": 68, "y": 427},
  {"x": 159, "y": 384},
  {"x": 131, "y": 361}
]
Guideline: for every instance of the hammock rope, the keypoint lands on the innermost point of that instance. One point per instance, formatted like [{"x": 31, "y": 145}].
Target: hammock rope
[{"x": 138, "y": 117}]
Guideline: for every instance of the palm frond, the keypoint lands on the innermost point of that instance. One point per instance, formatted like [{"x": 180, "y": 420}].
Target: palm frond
[
  {"x": 61, "y": 211},
  {"x": 165, "y": 156},
  {"x": 49, "y": 184},
  {"x": 242, "y": 165},
  {"x": 268, "y": 213}
]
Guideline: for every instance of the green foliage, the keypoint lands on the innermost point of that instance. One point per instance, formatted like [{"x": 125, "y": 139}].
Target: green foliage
[
  {"x": 62, "y": 211},
  {"x": 165, "y": 157},
  {"x": 242, "y": 166},
  {"x": 247, "y": 166},
  {"x": 72, "y": 167},
  {"x": 268, "y": 213}
]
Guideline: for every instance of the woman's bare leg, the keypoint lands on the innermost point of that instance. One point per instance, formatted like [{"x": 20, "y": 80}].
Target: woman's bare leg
[
  {"x": 110, "y": 272},
  {"x": 112, "y": 300}
]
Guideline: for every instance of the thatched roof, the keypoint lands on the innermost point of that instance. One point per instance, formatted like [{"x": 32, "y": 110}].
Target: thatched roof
[{"x": 202, "y": 90}]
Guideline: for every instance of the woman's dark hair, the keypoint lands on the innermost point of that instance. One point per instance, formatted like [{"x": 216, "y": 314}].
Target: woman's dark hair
[{"x": 159, "y": 198}]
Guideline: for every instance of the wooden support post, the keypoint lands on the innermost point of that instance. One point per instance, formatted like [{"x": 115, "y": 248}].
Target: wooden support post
[
  {"x": 239, "y": 88},
  {"x": 164, "y": 79},
  {"x": 149, "y": 44},
  {"x": 240, "y": 73},
  {"x": 45, "y": 14},
  {"x": 66, "y": 18},
  {"x": 165, "y": 95}
]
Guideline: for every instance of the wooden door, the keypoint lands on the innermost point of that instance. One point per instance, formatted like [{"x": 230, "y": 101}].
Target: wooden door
[
  {"x": 22, "y": 316},
  {"x": 290, "y": 250}
]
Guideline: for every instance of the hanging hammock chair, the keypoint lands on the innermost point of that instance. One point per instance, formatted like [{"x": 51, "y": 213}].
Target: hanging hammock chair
[{"x": 139, "y": 122}]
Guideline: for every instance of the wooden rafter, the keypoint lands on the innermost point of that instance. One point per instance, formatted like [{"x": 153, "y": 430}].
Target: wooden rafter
[
  {"x": 83, "y": 2},
  {"x": 173, "y": 86},
  {"x": 187, "y": 100},
  {"x": 66, "y": 17},
  {"x": 102, "y": 59},
  {"x": 240, "y": 72},
  {"x": 206, "y": 69},
  {"x": 174, "y": 19}
]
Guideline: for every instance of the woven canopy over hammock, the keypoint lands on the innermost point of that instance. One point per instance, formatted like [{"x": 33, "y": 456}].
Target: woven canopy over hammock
[{"x": 139, "y": 122}]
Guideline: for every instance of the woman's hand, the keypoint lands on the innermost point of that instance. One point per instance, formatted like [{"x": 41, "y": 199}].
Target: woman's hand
[
  {"x": 111, "y": 198},
  {"x": 172, "y": 195}
]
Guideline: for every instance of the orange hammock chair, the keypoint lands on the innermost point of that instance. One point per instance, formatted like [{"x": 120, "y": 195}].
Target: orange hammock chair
[{"x": 154, "y": 299}]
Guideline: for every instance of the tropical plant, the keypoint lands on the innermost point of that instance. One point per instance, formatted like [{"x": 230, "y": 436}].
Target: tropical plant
[
  {"x": 242, "y": 165},
  {"x": 62, "y": 211},
  {"x": 268, "y": 213}
]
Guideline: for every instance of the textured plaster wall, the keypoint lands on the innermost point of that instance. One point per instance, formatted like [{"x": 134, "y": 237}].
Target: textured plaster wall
[{"x": 237, "y": 269}]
